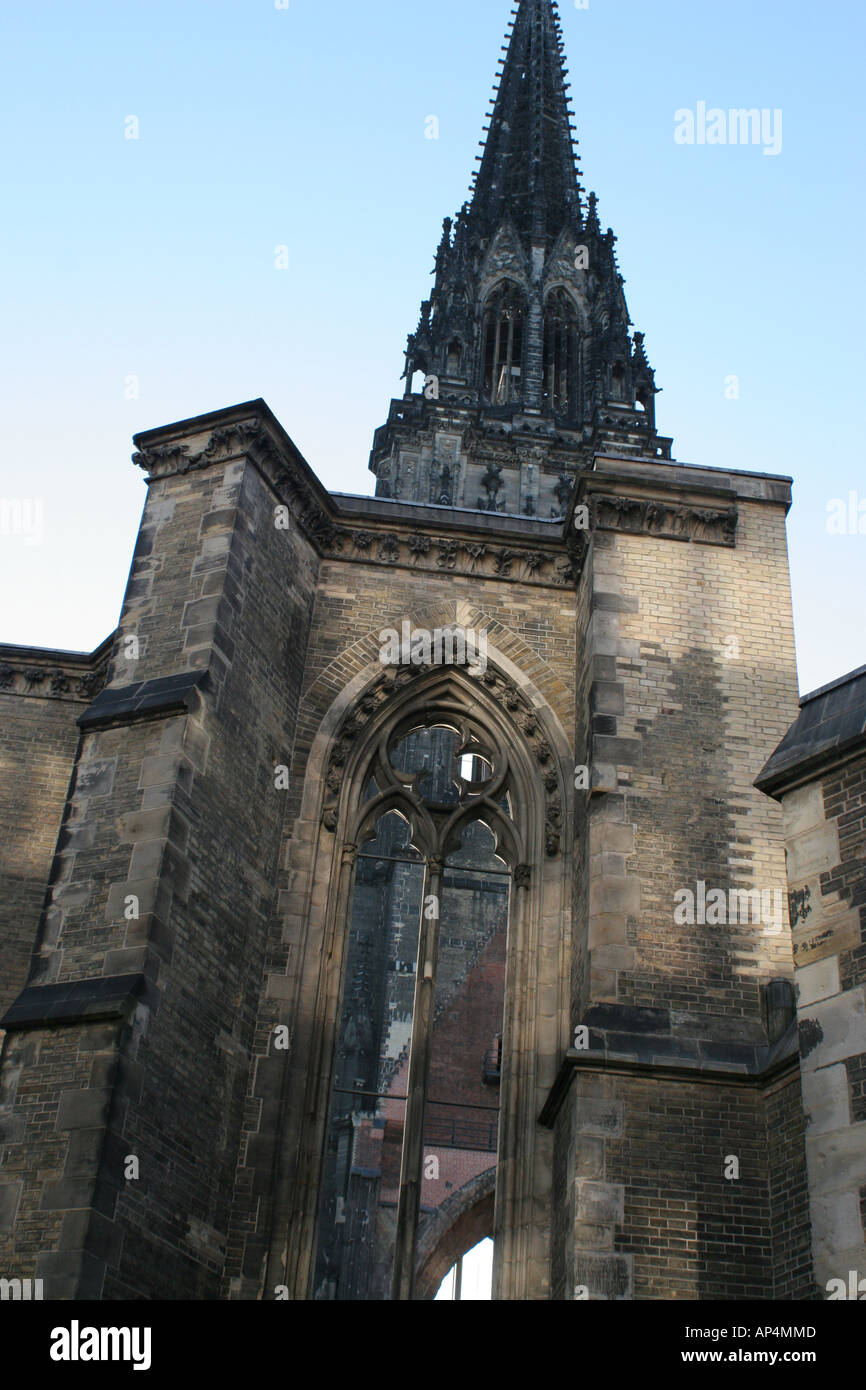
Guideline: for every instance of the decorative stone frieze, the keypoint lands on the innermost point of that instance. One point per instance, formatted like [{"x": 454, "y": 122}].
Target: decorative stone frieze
[
  {"x": 70, "y": 681},
  {"x": 668, "y": 521}
]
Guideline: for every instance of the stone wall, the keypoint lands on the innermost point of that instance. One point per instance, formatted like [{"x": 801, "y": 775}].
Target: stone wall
[
  {"x": 42, "y": 694},
  {"x": 155, "y": 1137},
  {"x": 165, "y": 881},
  {"x": 689, "y": 646},
  {"x": 818, "y": 773}
]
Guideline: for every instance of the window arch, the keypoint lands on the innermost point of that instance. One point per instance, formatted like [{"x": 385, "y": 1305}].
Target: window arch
[
  {"x": 502, "y": 348},
  {"x": 413, "y": 1113},
  {"x": 510, "y": 713},
  {"x": 561, "y": 363}
]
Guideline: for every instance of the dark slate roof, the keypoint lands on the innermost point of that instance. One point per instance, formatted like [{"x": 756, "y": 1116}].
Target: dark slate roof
[{"x": 832, "y": 722}]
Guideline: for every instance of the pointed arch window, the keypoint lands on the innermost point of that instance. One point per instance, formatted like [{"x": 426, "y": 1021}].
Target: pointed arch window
[
  {"x": 502, "y": 349},
  {"x": 413, "y": 1114},
  {"x": 561, "y": 355}
]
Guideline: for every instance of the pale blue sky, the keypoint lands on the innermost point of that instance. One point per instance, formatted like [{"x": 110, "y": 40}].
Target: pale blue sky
[{"x": 306, "y": 127}]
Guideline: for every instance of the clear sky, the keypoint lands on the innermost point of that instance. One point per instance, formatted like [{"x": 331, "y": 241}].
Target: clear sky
[{"x": 139, "y": 282}]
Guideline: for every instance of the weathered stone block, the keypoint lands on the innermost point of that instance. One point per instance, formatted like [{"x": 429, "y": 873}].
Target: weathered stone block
[
  {"x": 10, "y": 1194},
  {"x": 83, "y": 1109}
]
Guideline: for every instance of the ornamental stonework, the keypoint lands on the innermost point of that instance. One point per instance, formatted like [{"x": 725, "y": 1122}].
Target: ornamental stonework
[{"x": 503, "y": 691}]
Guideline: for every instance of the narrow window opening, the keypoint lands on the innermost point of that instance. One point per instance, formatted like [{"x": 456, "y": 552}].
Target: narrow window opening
[
  {"x": 374, "y": 1124},
  {"x": 561, "y": 355},
  {"x": 503, "y": 345}
]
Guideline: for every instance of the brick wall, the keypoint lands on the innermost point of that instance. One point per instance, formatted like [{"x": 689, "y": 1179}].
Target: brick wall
[
  {"x": 681, "y": 1190},
  {"x": 825, "y": 819},
  {"x": 695, "y": 725},
  {"x": 694, "y": 681},
  {"x": 38, "y": 739},
  {"x": 845, "y": 804},
  {"x": 790, "y": 1232}
]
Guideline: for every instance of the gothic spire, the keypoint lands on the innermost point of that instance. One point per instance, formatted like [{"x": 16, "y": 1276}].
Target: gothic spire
[
  {"x": 528, "y": 368},
  {"x": 528, "y": 168}
]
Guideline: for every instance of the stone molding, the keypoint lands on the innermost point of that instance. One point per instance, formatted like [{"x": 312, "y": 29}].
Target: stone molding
[
  {"x": 49, "y": 675},
  {"x": 661, "y": 1059},
  {"x": 434, "y": 550},
  {"x": 78, "y": 1001},
  {"x": 153, "y": 699},
  {"x": 420, "y": 551},
  {"x": 412, "y": 549},
  {"x": 665, "y": 520}
]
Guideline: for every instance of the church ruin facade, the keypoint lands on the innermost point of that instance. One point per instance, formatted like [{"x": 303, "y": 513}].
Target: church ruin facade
[{"x": 339, "y": 927}]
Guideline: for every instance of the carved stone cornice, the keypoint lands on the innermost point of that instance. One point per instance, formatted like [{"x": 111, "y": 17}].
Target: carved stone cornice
[
  {"x": 228, "y": 441},
  {"x": 537, "y": 565},
  {"x": 665, "y": 519},
  {"x": 249, "y": 438},
  {"x": 46, "y": 679}
]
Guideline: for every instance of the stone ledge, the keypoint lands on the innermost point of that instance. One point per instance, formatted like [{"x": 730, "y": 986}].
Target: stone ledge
[
  {"x": 655, "y": 1057},
  {"x": 77, "y": 1001},
  {"x": 152, "y": 699}
]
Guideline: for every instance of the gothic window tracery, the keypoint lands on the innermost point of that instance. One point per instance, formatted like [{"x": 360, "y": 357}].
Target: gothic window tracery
[{"x": 424, "y": 979}]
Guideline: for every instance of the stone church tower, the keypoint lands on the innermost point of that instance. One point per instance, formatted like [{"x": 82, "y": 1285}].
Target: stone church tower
[
  {"x": 530, "y": 370},
  {"x": 395, "y": 875}
]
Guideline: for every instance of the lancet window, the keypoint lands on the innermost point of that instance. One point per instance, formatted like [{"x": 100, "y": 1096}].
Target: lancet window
[
  {"x": 503, "y": 344},
  {"x": 414, "y": 1107}
]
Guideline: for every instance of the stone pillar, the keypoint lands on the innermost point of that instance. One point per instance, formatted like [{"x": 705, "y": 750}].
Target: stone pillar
[
  {"x": 687, "y": 674},
  {"x": 137, "y": 1027}
]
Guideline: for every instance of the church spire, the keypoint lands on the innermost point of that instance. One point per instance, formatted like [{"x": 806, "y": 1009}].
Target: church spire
[
  {"x": 528, "y": 167},
  {"x": 527, "y": 365}
]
